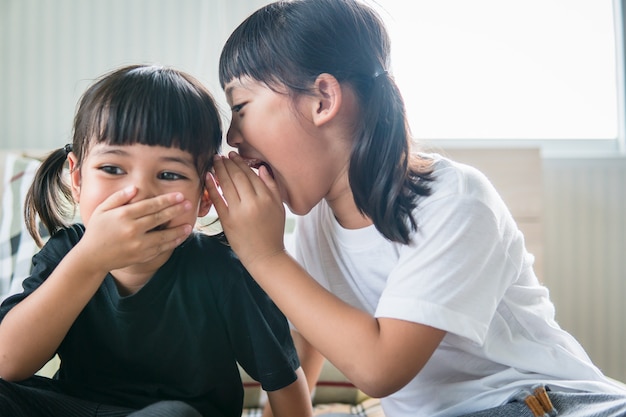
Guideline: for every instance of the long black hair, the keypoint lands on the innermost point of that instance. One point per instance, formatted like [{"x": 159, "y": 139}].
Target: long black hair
[
  {"x": 137, "y": 104},
  {"x": 290, "y": 43}
]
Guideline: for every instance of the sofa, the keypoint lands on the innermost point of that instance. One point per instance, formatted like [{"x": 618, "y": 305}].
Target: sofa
[{"x": 334, "y": 395}]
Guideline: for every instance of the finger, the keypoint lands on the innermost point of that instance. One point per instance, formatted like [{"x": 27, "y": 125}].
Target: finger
[
  {"x": 244, "y": 178},
  {"x": 165, "y": 240},
  {"x": 220, "y": 173},
  {"x": 216, "y": 198},
  {"x": 119, "y": 198},
  {"x": 269, "y": 182},
  {"x": 149, "y": 221},
  {"x": 149, "y": 206},
  {"x": 171, "y": 237},
  {"x": 223, "y": 169}
]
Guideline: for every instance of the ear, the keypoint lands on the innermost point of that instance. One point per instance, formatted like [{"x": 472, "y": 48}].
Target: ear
[
  {"x": 205, "y": 204},
  {"x": 74, "y": 176},
  {"x": 328, "y": 100}
]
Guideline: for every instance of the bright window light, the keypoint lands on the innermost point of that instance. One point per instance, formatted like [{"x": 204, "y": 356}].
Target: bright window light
[{"x": 506, "y": 69}]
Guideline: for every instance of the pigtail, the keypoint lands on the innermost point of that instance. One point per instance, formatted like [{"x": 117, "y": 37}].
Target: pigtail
[
  {"x": 384, "y": 181},
  {"x": 49, "y": 196}
]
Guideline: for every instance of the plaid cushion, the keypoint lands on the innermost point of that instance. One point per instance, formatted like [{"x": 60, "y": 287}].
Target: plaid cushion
[
  {"x": 334, "y": 396},
  {"x": 16, "y": 245},
  {"x": 368, "y": 408}
]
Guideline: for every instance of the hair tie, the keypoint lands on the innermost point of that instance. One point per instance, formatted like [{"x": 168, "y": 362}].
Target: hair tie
[
  {"x": 380, "y": 72},
  {"x": 67, "y": 148}
]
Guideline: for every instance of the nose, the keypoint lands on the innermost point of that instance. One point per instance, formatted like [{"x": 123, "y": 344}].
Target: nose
[
  {"x": 146, "y": 188},
  {"x": 233, "y": 137}
]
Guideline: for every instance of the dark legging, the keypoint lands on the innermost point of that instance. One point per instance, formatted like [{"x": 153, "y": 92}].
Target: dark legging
[{"x": 27, "y": 400}]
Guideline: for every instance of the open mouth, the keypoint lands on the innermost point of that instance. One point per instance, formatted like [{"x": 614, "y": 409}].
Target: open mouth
[{"x": 255, "y": 164}]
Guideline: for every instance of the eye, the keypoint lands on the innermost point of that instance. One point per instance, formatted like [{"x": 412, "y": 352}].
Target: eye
[
  {"x": 171, "y": 176},
  {"x": 237, "y": 107},
  {"x": 111, "y": 169}
]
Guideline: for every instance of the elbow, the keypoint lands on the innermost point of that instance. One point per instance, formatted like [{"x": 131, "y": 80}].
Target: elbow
[
  {"x": 380, "y": 383},
  {"x": 12, "y": 371},
  {"x": 378, "y": 389},
  {"x": 12, "y": 374}
]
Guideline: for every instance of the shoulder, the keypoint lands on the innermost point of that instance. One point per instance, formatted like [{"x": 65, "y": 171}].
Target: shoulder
[
  {"x": 454, "y": 178},
  {"x": 210, "y": 247},
  {"x": 461, "y": 188},
  {"x": 211, "y": 256},
  {"x": 62, "y": 241},
  {"x": 71, "y": 233},
  {"x": 45, "y": 261}
]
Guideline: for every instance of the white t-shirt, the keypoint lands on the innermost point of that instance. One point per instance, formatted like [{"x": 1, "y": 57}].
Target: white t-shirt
[{"x": 467, "y": 272}]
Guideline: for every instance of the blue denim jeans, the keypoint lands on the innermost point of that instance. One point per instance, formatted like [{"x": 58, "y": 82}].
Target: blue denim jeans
[{"x": 566, "y": 404}]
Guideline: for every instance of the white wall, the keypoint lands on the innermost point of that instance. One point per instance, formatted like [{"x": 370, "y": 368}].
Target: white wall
[
  {"x": 50, "y": 51},
  {"x": 585, "y": 254}
]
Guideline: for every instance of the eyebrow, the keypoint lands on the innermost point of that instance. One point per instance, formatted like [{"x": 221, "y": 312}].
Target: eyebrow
[
  {"x": 184, "y": 161},
  {"x": 120, "y": 151},
  {"x": 106, "y": 151},
  {"x": 235, "y": 85},
  {"x": 229, "y": 91}
]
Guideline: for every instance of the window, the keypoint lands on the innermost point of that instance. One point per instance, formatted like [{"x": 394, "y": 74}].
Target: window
[{"x": 546, "y": 71}]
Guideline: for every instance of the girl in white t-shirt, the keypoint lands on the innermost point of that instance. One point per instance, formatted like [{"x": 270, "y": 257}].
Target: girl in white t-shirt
[{"x": 410, "y": 275}]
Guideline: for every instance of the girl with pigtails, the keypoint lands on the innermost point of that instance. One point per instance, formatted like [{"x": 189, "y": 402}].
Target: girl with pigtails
[
  {"x": 141, "y": 326},
  {"x": 409, "y": 273}
]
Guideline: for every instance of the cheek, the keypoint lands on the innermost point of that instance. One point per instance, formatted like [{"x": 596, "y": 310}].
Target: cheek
[
  {"x": 90, "y": 198},
  {"x": 191, "y": 216}
]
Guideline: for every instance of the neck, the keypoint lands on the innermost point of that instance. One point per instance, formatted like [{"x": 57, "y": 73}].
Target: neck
[
  {"x": 132, "y": 278},
  {"x": 341, "y": 202}
]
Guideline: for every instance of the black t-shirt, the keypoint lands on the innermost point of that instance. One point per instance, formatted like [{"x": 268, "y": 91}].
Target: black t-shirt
[{"x": 179, "y": 337}]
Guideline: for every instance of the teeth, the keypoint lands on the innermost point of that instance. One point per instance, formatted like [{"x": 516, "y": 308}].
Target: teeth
[{"x": 255, "y": 164}]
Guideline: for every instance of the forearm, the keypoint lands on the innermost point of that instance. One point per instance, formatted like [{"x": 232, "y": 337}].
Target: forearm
[
  {"x": 290, "y": 401},
  {"x": 379, "y": 356},
  {"x": 310, "y": 359},
  {"x": 348, "y": 337},
  {"x": 311, "y": 362},
  {"x": 32, "y": 331}
]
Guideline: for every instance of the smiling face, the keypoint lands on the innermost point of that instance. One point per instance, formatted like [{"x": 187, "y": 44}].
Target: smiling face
[
  {"x": 306, "y": 159},
  {"x": 154, "y": 170}
]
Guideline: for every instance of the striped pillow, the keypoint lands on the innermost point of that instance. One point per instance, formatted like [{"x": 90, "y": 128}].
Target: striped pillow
[{"x": 16, "y": 245}]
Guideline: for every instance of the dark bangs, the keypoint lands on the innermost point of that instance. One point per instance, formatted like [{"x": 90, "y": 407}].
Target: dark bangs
[
  {"x": 262, "y": 48},
  {"x": 290, "y": 43},
  {"x": 153, "y": 106}
]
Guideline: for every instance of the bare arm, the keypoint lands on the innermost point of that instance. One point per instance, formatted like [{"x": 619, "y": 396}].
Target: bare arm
[
  {"x": 311, "y": 361},
  {"x": 118, "y": 236},
  {"x": 378, "y": 355},
  {"x": 293, "y": 400}
]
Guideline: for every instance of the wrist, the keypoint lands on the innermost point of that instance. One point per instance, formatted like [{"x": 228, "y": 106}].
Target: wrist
[{"x": 261, "y": 261}]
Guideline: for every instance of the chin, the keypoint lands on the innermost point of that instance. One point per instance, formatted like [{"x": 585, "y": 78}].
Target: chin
[{"x": 298, "y": 211}]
